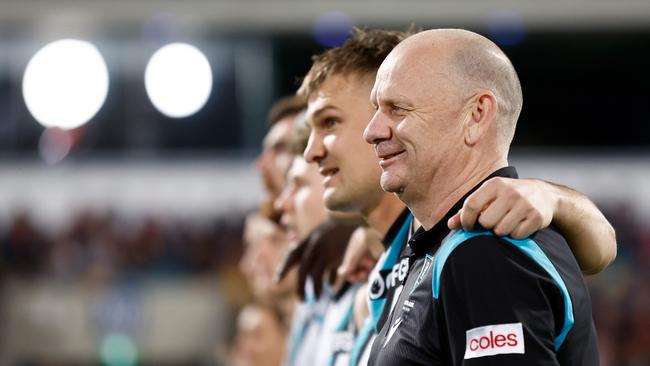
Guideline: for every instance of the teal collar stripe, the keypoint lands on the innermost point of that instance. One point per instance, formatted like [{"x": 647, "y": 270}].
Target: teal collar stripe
[
  {"x": 398, "y": 243},
  {"x": 392, "y": 255},
  {"x": 529, "y": 247}
]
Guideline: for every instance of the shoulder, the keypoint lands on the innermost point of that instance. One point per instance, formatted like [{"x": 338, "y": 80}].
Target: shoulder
[
  {"x": 481, "y": 256},
  {"x": 480, "y": 247},
  {"x": 503, "y": 280}
]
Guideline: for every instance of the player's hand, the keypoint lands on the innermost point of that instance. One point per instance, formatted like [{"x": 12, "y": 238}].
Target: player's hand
[
  {"x": 509, "y": 207},
  {"x": 318, "y": 255},
  {"x": 359, "y": 258}
]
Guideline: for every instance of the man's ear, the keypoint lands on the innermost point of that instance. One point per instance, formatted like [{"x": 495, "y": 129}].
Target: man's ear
[{"x": 482, "y": 112}]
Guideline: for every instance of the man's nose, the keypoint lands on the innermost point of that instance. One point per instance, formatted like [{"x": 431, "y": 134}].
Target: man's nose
[
  {"x": 314, "y": 152},
  {"x": 282, "y": 202},
  {"x": 378, "y": 129},
  {"x": 262, "y": 161}
]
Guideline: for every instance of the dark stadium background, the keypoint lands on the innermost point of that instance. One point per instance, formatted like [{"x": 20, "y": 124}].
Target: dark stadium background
[{"x": 582, "y": 89}]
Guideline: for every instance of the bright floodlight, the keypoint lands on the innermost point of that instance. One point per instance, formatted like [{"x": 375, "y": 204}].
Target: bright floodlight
[
  {"x": 178, "y": 80},
  {"x": 65, "y": 84}
]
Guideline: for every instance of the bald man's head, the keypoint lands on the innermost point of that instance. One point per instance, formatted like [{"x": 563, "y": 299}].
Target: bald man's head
[
  {"x": 446, "y": 105},
  {"x": 473, "y": 62}
]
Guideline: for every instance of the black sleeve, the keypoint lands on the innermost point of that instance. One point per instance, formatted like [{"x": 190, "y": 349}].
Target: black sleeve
[{"x": 491, "y": 295}]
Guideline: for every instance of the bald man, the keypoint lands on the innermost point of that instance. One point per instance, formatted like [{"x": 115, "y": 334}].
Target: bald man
[{"x": 447, "y": 103}]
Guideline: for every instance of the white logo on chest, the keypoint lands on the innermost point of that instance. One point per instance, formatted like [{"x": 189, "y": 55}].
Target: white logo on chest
[
  {"x": 392, "y": 330},
  {"x": 384, "y": 280}
]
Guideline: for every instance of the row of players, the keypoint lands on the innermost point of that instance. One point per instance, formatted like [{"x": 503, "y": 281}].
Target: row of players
[{"x": 355, "y": 246}]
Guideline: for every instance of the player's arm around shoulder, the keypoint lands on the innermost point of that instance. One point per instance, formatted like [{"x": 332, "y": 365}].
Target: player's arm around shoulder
[
  {"x": 520, "y": 207},
  {"x": 498, "y": 306}
]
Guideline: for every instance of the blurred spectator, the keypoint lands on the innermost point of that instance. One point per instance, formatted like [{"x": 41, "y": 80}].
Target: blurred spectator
[
  {"x": 96, "y": 244},
  {"x": 260, "y": 339},
  {"x": 24, "y": 248}
]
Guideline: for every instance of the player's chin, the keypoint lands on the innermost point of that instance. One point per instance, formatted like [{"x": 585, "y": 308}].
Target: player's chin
[
  {"x": 338, "y": 200},
  {"x": 391, "y": 183},
  {"x": 330, "y": 197}
]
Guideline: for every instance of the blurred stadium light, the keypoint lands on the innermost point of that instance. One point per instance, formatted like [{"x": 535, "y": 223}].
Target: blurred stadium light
[
  {"x": 178, "y": 79},
  {"x": 65, "y": 83}
]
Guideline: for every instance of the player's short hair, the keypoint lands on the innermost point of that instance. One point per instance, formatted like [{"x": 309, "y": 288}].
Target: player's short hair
[
  {"x": 299, "y": 135},
  {"x": 363, "y": 53},
  {"x": 286, "y": 106}
]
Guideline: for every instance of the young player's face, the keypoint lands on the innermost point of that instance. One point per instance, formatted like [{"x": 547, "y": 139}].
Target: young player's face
[
  {"x": 266, "y": 245},
  {"x": 301, "y": 201},
  {"x": 338, "y": 113},
  {"x": 259, "y": 340},
  {"x": 275, "y": 157}
]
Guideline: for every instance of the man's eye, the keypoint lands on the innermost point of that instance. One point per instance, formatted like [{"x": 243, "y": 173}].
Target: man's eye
[
  {"x": 330, "y": 122},
  {"x": 280, "y": 147},
  {"x": 397, "y": 109}
]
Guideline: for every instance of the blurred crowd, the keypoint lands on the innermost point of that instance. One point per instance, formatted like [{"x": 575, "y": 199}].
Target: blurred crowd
[
  {"x": 621, "y": 293},
  {"x": 104, "y": 245}
]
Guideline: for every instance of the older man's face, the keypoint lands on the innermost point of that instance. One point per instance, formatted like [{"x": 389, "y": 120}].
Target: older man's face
[
  {"x": 338, "y": 113},
  {"x": 416, "y": 128}
]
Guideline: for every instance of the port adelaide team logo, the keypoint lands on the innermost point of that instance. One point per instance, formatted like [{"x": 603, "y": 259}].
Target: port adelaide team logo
[
  {"x": 384, "y": 280},
  {"x": 377, "y": 286}
]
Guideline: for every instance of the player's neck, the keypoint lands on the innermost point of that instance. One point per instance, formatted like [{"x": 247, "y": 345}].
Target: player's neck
[
  {"x": 440, "y": 198},
  {"x": 382, "y": 216}
]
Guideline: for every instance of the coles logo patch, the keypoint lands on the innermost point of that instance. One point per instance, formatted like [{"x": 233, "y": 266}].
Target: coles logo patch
[{"x": 494, "y": 340}]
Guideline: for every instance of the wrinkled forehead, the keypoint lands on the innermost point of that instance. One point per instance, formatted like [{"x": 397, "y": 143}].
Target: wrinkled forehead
[
  {"x": 393, "y": 79},
  {"x": 408, "y": 73}
]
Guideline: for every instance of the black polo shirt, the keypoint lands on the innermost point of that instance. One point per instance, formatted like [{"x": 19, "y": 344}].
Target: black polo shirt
[{"x": 471, "y": 298}]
